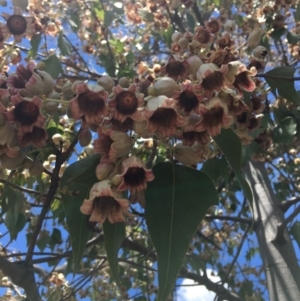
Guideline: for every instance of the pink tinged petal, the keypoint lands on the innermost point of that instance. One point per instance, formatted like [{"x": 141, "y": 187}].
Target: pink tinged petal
[
  {"x": 123, "y": 186},
  {"x": 98, "y": 216},
  {"x": 227, "y": 121},
  {"x": 119, "y": 116},
  {"x": 81, "y": 88},
  {"x": 37, "y": 101},
  {"x": 87, "y": 207},
  {"x": 181, "y": 121},
  {"x": 74, "y": 106},
  {"x": 117, "y": 90},
  {"x": 132, "y": 88}
]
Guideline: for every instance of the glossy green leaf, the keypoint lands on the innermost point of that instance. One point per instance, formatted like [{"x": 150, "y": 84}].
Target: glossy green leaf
[
  {"x": 114, "y": 235},
  {"x": 285, "y": 88},
  {"x": 63, "y": 45},
  {"x": 53, "y": 66},
  {"x": 190, "y": 21},
  {"x": 285, "y": 130},
  {"x": 54, "y": 128},
  {"x": 295, "y": 232},
  {"x": 248, "y": 151},
  {"x": 34, "y": 42},
  {"x": 231, "y": 146},
  {"x": 278, "y": 33},
  {"x": 176, "y": 202}
]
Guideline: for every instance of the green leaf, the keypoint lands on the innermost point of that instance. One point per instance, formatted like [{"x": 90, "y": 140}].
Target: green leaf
[
  {"x": 292, "y": 38},
  {"x": 176, "y": 202},
  {"x": 297, "y": 13},
  {"x": 285, "y": 131},
  {"x": 83, "y": 171},
  {"x": 54, "y": 128},
  {"x": 215, "y": 168},
  {"x": 53, "y": 66},
  {"x": 114, "y": 235},
  {"x": 34, "y": 42},
  {"x": 76, "y": 221},
  {"x": 190, "y": 21},
  {"x": 108, "y": 18},
  {"x": 248, "y": 151},
  {"x": 295, "y": 232},
  {"x": 231, "y": 147},
  {"x": 63, "y": 45},
  {"x": 167, "y": 35},
  {"x": 278, "y": 33},
  {"x": 285, "y": 88},
  {"x": 75, "y": 186},
  {"x": 239, "y": 20}
]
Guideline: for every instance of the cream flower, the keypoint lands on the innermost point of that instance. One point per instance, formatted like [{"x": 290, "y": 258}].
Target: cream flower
[
  {"x": 162, "y": 117},
  {"x": 105, "y": 202},
  {"x": 214, "y": 116},
  {"x": 134, "y": 175},
  {"x": 127, "y": 103},
  {"x": 17, "y": 25}
]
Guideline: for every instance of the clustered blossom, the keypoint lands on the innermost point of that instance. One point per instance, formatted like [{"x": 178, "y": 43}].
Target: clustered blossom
[{"x": 181, "y": 105}]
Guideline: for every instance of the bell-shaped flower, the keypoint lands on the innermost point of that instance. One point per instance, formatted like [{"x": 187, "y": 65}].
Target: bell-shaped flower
[
  {"x": 114, "y": 144},
  {"x": 214, "y": 116},
  {"x": 162, "y": 117},
  {"x": 37, "y": 137},
  {"x": 240, "y": 78},
  {"x": 127, "y": 103},
  {"x": 211, "y": 77},
  {"x": 17, "y": 25},
  {"x": 134, "y": 175},
  {"x": 189, "y": 98},
  {"x": 29, "y": 82},
  {"x": 26, "y": 113},
  {"x": 203, "y": 36},
  {"x": 105, "y": 202},
  {"x": 90, "y": 103},
  {"x": 176, "y": 68}
]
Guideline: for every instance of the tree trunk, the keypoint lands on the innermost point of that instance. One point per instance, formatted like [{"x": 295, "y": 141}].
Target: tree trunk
[{"x": 277, "y": 252}]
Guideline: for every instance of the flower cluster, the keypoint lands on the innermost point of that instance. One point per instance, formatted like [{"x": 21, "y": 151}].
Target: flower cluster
[{"x": 181, "y": 105}]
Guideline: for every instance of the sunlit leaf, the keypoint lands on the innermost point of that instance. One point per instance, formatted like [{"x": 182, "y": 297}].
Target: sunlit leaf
[
  {"x": 297, "y": 13},
  {"x": 231, "y": 146},
  {"x": 53, "y": 66},
  {"x": 34, "y": 42},
  {"x": 63, "y": 45},
  {"x": 176, "y": 202},
  {"x": 114, "y": 235}
]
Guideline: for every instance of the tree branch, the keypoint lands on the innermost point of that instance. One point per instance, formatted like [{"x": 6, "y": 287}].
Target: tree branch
[
  {"x": 21, "y": 275},
  {"x": 285, "y": 205}
]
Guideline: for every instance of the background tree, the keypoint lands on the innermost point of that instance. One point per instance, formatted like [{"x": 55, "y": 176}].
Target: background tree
[{"x": 144, "y": 142}]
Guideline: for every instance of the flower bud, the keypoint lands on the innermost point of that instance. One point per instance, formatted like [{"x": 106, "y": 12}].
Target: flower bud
[
  {"x": 185, "y": 155},
  {"x": 116, "y": 180},
  {"x": 90, "y": 150},
  {"x": 260, "y": 52},
  {"x": 106, "y": 82},
  {"x": 124, "y": 82},
  {"x": 41, "y": 66},
  {"x": 164, "y": 86},
  {"x": 183, "y": 43},
  {"x": 57, "y": 139},
  {"x": 85, "y": 137},
  {"x": 51, "y": 107},
  {"x": 104, "y": 169},
  {"x": 28, "y": 163},
  {"x": 176, "y": 36},
  {"x": 229, "y": 26},
  {"x": 36, "y": 169},
  {"x": 254, "y": 36},
  {"x": 61, "y": 111}
]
